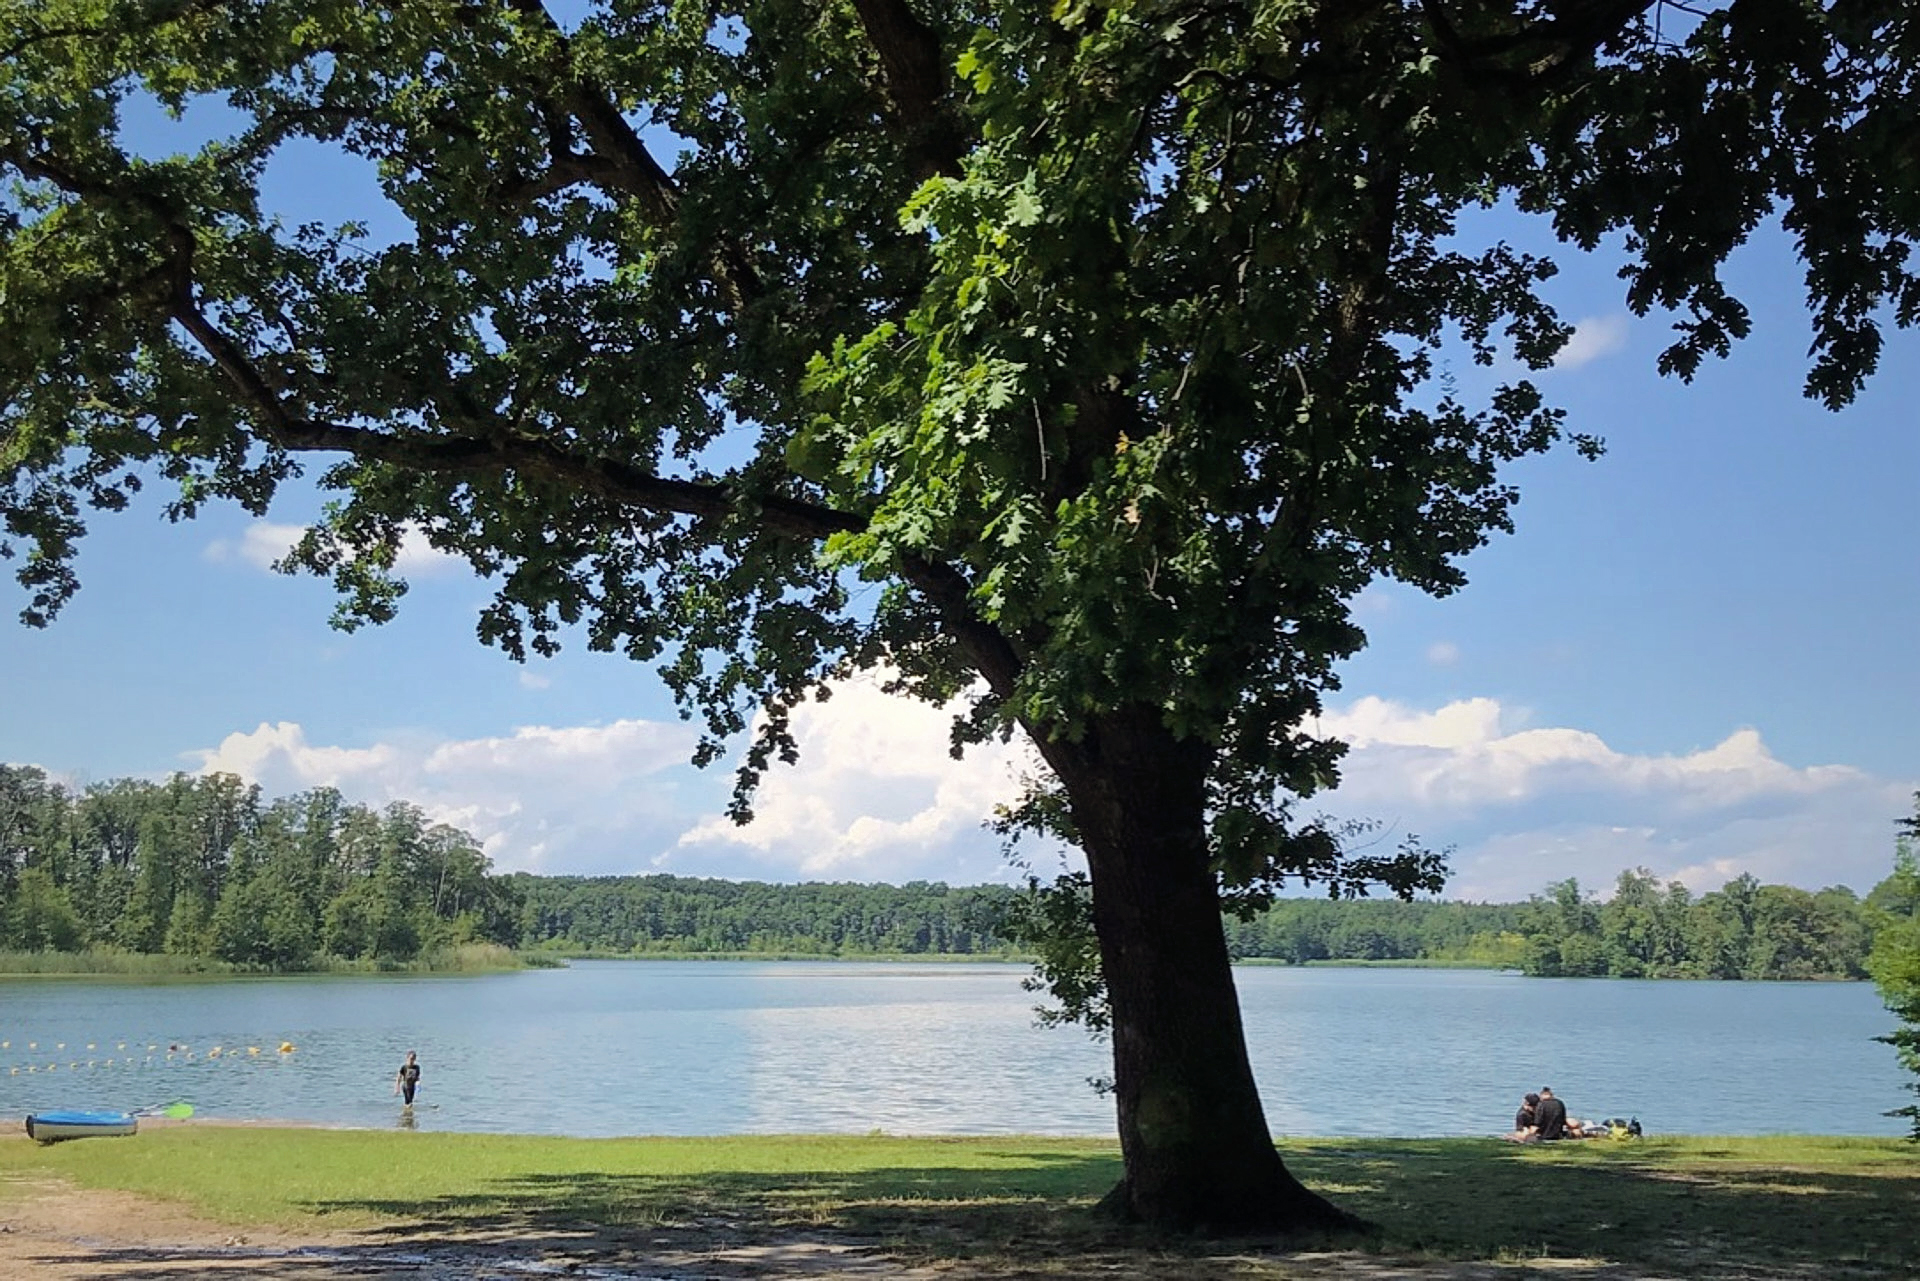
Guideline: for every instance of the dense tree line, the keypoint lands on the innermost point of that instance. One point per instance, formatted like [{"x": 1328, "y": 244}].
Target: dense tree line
[
  {"x": 1300, "y": 931},
  {"x": 1744, "y": 930},
  {"x": 204, "y": 867},
  {"x": 679, "y": 914}
]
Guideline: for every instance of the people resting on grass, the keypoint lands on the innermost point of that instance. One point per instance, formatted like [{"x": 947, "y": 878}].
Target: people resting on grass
[
  {"x": 1543, "y": 1118},
  {"x": 1550, "y": 1119},
  {"x": 1523, "y": 1120}
]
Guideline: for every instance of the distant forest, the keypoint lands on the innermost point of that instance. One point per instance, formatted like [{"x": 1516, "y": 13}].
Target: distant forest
[{"x": 205, "y": 867}]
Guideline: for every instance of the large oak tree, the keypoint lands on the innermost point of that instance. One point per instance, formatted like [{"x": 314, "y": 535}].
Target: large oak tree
[{"x": 1077, "y": 361}]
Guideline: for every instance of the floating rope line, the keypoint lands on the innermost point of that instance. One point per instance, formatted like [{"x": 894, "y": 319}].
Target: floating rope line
[{"x": 176, "y": 1054}]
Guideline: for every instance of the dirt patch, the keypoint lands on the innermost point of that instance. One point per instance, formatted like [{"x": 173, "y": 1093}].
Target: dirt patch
[{"x": 52, "y": 1231}]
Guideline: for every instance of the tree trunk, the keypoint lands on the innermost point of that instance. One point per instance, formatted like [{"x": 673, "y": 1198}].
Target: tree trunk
[{"x": 1193, "y": 1135}]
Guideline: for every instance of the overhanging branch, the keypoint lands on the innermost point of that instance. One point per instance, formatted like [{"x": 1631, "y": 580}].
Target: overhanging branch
[{"x": 491, "y": 453}]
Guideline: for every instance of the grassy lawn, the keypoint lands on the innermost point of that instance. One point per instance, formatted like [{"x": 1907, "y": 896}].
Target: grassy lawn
[{"x": 1687, "y": 1207}]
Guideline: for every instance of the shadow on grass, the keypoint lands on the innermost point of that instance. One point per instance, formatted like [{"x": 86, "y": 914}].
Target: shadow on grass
[
  {"x": 1644, "y": 1207},
  {"x": 1042, "y": 1209},
  {"x": 1683, "y": 1211},
  {"x": 1466, "y": 1210}
]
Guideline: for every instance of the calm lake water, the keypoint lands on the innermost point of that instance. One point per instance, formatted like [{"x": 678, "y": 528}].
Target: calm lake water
[{"x": 612, "y": 1048}]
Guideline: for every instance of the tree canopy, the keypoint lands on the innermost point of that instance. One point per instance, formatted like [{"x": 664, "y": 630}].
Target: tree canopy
[
  {"x": 206, "y": 868},
  {"x": 1077, "y": 361}
]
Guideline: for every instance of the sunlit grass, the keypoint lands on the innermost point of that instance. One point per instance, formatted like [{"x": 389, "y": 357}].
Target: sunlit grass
[{"x": 285, "y": 1176}]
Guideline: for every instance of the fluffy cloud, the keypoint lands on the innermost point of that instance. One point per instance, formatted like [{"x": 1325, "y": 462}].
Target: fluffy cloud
[
  {"x": 1525, "y": 806},
  {"x": 876, "y": 796},
  {"x": 585, "y": 799},
  {"x": 1593, "y": 337}
]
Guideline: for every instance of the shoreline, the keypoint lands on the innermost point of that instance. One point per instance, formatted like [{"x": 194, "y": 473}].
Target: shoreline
[
  {"x": 561, "y": 960},
  {"x": 13, "y": 1126}
]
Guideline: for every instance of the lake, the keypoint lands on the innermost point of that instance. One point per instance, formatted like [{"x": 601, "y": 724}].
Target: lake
[{"x": 720, "y": 1047}]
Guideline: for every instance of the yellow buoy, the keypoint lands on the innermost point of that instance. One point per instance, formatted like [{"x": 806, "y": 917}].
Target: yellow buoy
[{"x": 286, "y": 1047}]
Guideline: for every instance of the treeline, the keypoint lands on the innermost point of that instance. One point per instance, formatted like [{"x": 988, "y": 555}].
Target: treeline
[
  {"x": 204, "y": 867},
  {"x": 1647, "y": 929},
  {"x": 1744, "y": 930},
  {"x": 1302, "y": 931},
  {"x": 678, "y": 914}
]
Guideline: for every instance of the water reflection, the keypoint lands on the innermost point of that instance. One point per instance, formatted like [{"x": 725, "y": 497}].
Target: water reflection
[{"x": 611, "y": 1048}]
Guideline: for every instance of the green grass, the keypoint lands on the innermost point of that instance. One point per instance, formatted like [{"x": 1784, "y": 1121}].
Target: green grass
[
  {"x": 1682, "y": 1206},
  {"x": 1774, "y": 1207}
]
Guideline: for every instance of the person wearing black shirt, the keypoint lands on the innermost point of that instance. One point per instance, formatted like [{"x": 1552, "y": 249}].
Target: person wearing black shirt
[
  {"x": 1550, "y": 1117},
  {"x": 1524, "y": 1119},
  {"x": 408, "y": 1079}
]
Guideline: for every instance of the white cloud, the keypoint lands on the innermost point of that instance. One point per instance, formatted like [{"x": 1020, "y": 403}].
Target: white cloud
[
  {"x": 582, "y": 799},
  {"x": 1443, "y": 653},
  {"x": 1525, "y": 806},
  {"x": 1593, "y": 337},
  {"x": 534, "y": 680},
  {"x": 260, "y": 544},
  {"x": 876, "y": 796},
  {"x": 264, "y": 542}
]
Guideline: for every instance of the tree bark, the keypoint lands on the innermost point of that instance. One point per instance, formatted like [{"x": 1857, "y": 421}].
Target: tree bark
[{"x": 1193, "y": 1135}]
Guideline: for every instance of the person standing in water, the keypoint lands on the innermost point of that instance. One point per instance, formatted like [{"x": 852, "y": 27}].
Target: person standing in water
[{"x": 408, "y": 1079}]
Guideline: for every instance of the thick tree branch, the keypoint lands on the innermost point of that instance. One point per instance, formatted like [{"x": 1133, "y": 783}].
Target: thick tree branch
[
  {"x": 915, "y": 69},
  {"x": 484, "y": 452},
  {"x": 620, "y": 161}
]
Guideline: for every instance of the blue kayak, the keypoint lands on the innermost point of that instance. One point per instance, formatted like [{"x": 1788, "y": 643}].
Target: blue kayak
[{"x": 49, "y": 1126}]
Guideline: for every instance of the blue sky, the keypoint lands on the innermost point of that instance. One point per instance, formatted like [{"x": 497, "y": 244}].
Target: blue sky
[{"x": 1694, "y": 656}]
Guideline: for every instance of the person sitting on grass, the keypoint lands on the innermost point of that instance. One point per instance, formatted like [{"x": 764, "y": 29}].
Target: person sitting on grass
[
  {"x": 1550, "y": 1118},
  {"x": 1523, "y": 1120}
]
